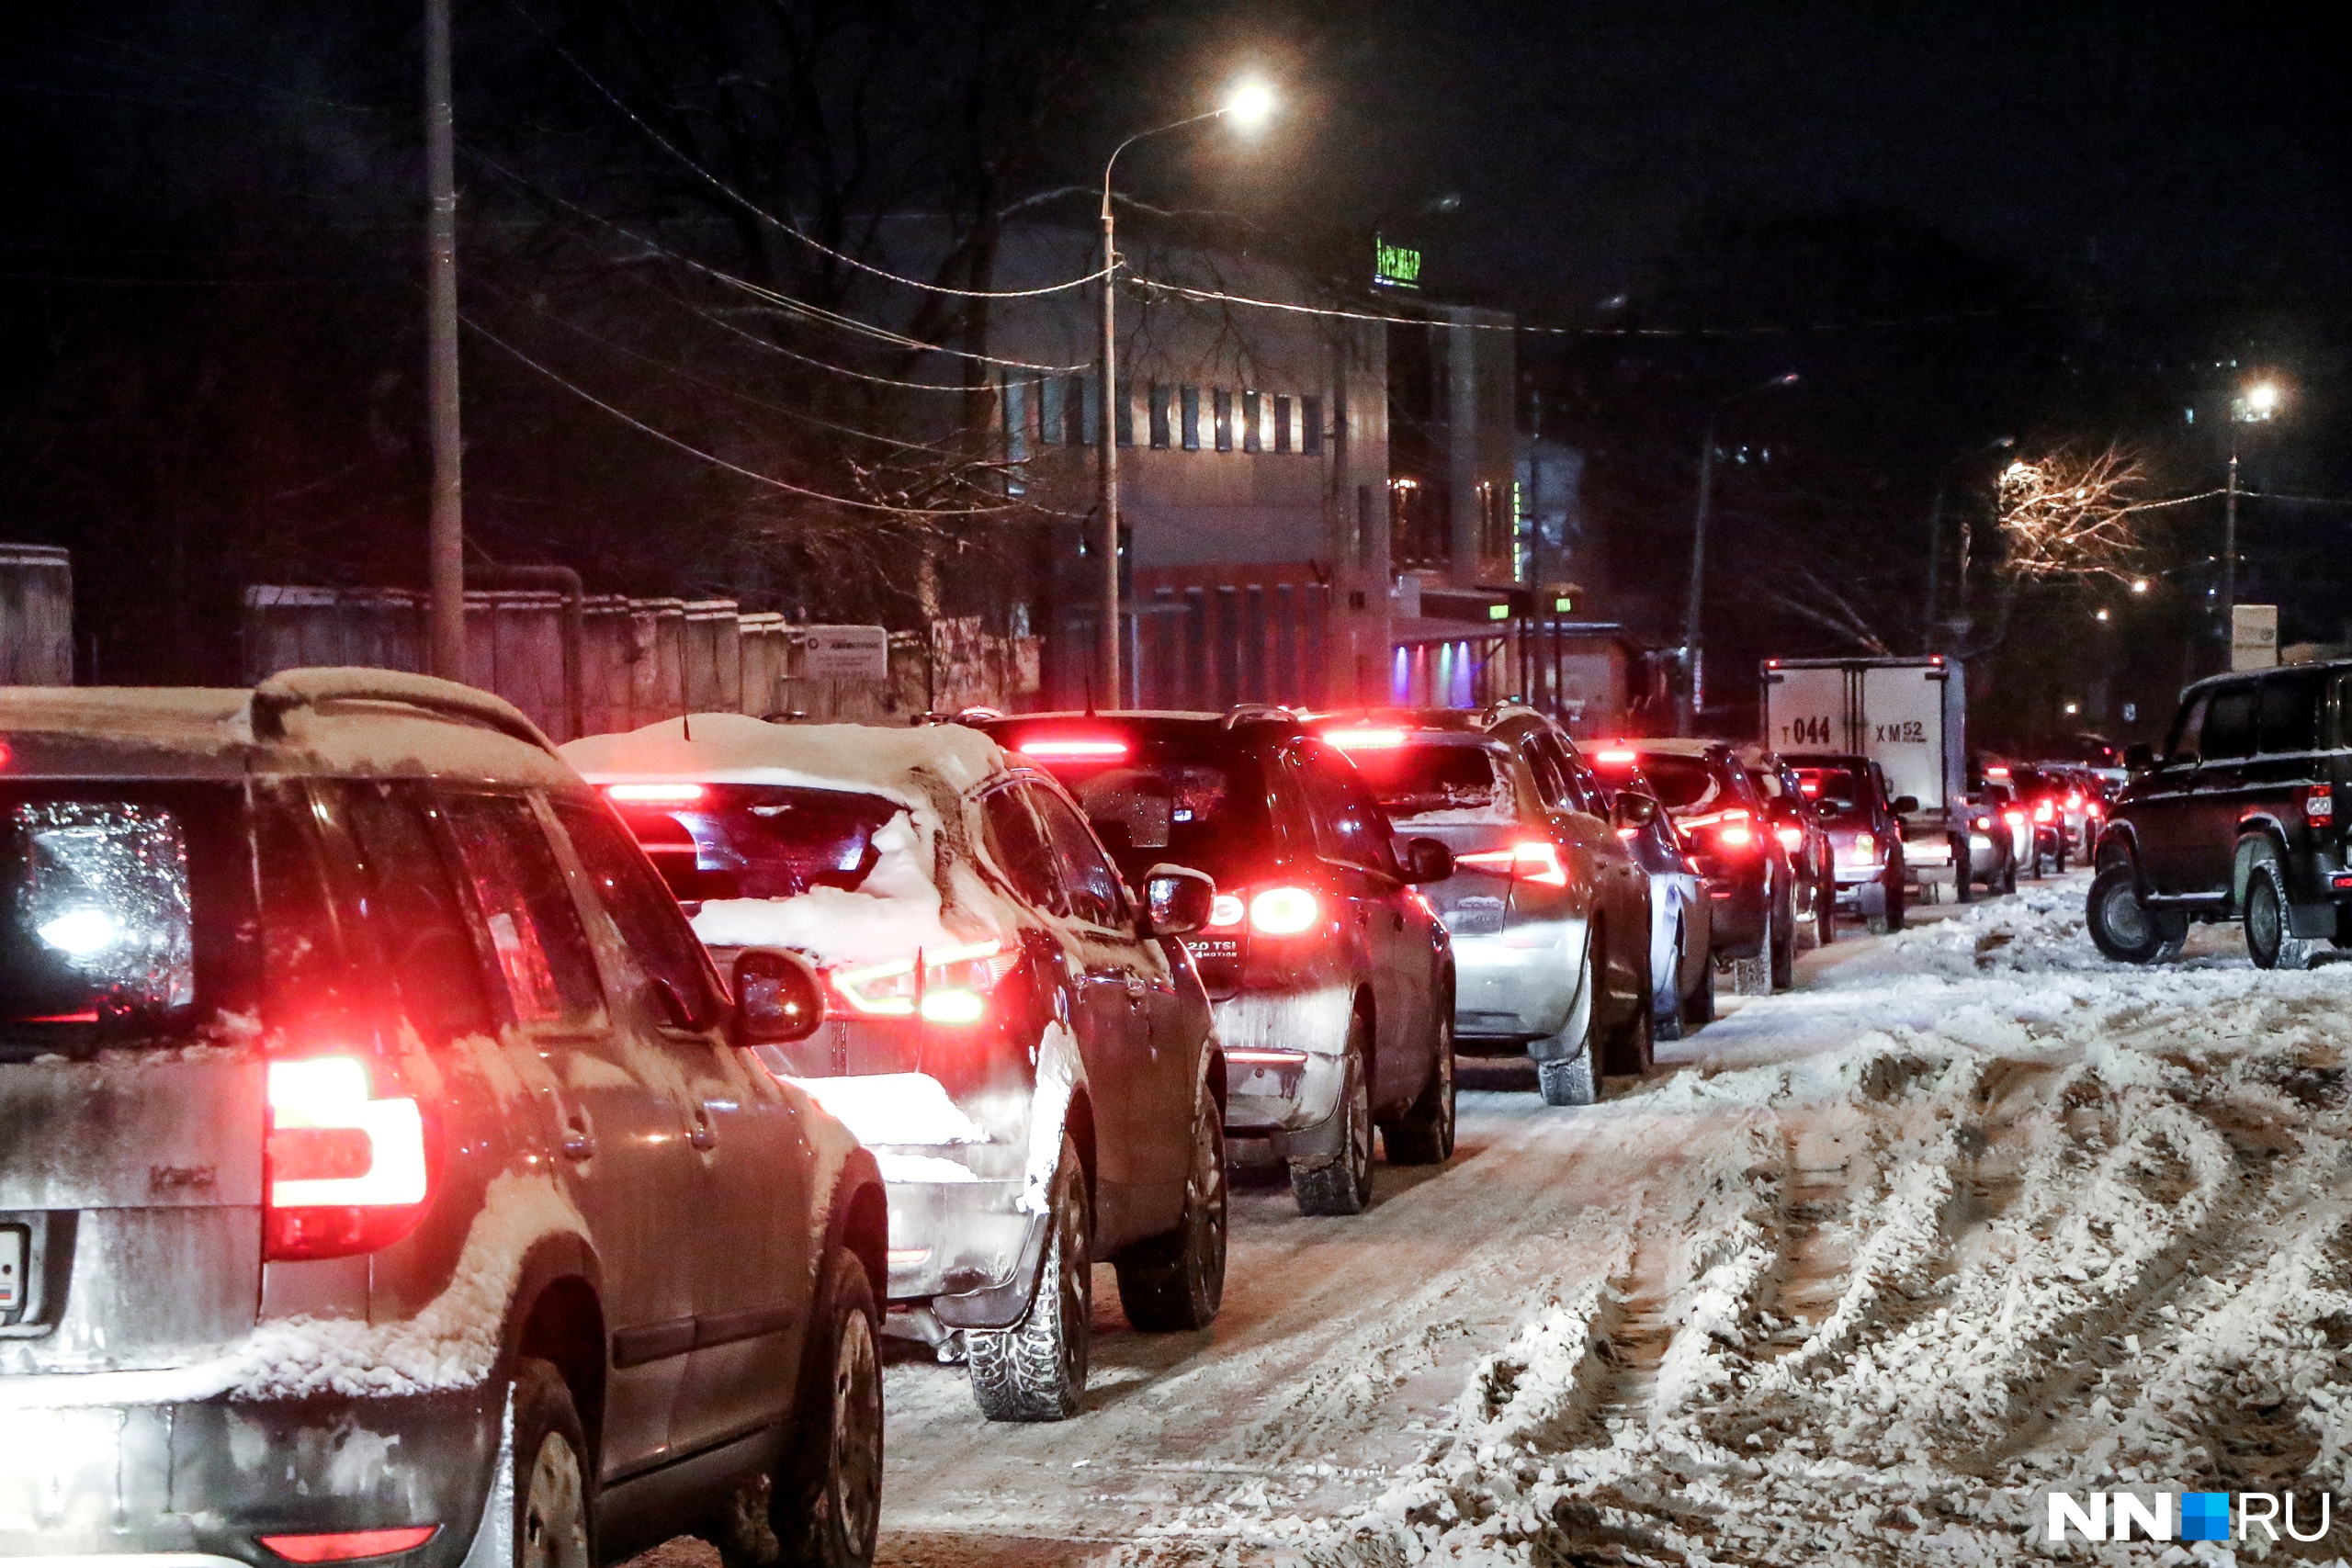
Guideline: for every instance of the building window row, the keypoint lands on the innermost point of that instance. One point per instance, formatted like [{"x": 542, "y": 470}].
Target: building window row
[{"x": 1067, "y": 410}]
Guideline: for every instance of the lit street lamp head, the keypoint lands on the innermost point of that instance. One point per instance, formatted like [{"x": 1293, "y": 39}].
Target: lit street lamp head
[
  {"x": 2262, "y": 399},
  {"x": 1249, "y": 105}
]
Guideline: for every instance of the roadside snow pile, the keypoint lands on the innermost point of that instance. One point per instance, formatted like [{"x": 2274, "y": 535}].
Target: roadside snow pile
[{"x": 1977, "y": 1217}]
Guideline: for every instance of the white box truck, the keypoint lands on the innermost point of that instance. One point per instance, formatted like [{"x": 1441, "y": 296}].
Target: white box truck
[{"x": 1909, "y": 716}]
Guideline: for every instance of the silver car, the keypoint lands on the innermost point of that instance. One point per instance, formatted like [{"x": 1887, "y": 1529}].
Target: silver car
[{"x": 386, "y": 1172}]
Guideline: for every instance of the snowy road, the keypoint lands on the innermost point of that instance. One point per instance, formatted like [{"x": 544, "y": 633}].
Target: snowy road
[{"x": 1860, "y": 1273}]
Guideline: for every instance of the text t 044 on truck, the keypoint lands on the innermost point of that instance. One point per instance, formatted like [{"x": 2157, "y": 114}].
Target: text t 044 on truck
[{"x": 1909, "y": 716}]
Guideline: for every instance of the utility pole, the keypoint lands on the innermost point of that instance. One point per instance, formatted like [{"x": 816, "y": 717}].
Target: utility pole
[
  {"x": 446, "y": 534},
  {"x": 2230, "y": 548},
  {"x": 1687, "y": 712},
  {"x": 1107, "y": 432}
]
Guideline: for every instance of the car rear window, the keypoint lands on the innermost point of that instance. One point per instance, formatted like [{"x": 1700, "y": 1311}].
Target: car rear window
[
  {"x": 1683, "y": 784},
  {"x": 1176, "y": 799},
  {"x": 119, "y": 910},
  {"x": 769, "y": 841},
  {"x": 1435, "y": 777},
  {"x": 1837, "y": 791}
]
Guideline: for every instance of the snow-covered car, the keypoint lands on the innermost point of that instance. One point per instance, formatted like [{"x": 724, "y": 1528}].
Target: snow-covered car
[
  {"x": 387, "y": 1172},
  {"x": 1552, "y": 937},
  {"x": 1022, "y": 1043},
  {"x": 1332, "y": 977},
  {"x": 1749, "y": 882},
  {"x": 1682, "y": 975}
]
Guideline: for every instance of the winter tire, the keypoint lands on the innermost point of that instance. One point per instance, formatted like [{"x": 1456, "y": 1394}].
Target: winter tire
[
  {"x": 1343, "y": 1184},
  {"x": 553, "y": 1518},
  {"x": 1825, "y": 915},
  {"x": 2009, "y": 877},
  {"x": 1753, "y": 977},
  {"x": 1699, "y": 1006},
  {"x": 1036, "y": 1371},
  {"x": 1567, "y": 1082},
  {"x": 1424, "y": 1133},
  {"x": 1630, "y": 1053},
  {"x": 1172, "y": 1283},
  {"x": 1668, "y": 1025},
  {"x": 1895, "y": 896},
  {"x": 828, "y": 1507},
  {"x": 1783, "y": 953},
  {"x": 2269, "y": 939},
  {"x": 1963, "y": 873},
  {"x": 2125, "y": 929}
]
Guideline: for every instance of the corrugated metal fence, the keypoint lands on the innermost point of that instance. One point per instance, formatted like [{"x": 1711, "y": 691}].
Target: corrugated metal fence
[{"x": 640, "y": 659}]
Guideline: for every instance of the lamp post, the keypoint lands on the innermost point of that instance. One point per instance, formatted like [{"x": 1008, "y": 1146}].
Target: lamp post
[
  {"x": 445, "y": 533},
  {"x": 2258, "y": 403},
  {"x": 1248, "y": 105},
  {"x": 1694, "y": 655},
  {"x": 1936, "y": 528}
]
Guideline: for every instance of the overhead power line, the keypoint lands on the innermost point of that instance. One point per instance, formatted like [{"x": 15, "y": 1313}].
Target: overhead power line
[
  {"x": 749, "y": 206},
  {"x": 713, "y": 460}
]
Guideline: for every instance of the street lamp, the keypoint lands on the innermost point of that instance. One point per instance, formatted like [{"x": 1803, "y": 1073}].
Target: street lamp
[
  {"x": 1935, "y": 529},
  {"x": 1695, "y": 687},
  {"x": 2253, "y": 406},
  {"x": 1248, "y": 106}
]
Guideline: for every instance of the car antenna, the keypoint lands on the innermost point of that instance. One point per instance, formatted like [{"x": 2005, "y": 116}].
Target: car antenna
[{"x": 686, "y": 726}]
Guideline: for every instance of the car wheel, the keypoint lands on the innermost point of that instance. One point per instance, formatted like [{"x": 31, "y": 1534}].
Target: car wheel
[
  {"x": 1699, "y": 1006},
  {"x": 552, "y": 1522},
  {"x": 1783, "y": 953},
  {"x": 1753, "y": 977},
  {"x": 1668, "y": 1025},
  {"x": 1036, "y": 1371},
  {"x": 1342, "y": 1185},
  {"x": 2122, "y": 927},
  {"x": 2269, "y": 940},
  {"x": 1894, "y": 898},
  {"x": 1825, "y": 915},
  {"x": 828, "y": 1506},
  {"x": 2010, "y": 876},
  {"x": 1963, "y": 873},
  {"x": 1175, "y": 1282},
  {"x": 1630, "y": 1050},
  {"x": 1424, "y": 1133}
]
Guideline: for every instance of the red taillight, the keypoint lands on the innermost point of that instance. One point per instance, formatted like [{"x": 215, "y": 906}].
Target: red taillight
[
  {"x": 1365, "y": 740},
  {"x": 1536, "y": 859},
  {"x": 1792, "y": 839},
  {"x": 2092, "y": 809},
  {"x": 949, "y": 986},
  {"x": 349, "y": 1546},
  {"x": 346, "y": 1171},
  {"x": 2042, "y": 812},
  {"x": 1618, "y": 758},
  {"x": 1074, "y": 748},
  {"x": 2074, "y": 802},
  {"x": 1983, "y": 824},
  {"x": 1265, "y": 1057},
  {"x": 2319, "y": 804},
  {"x": 1284, "y": 911},
  {"x": 653, "y": 793},
  {"x": 1226, "y": 912},
  {"x": 1735, "y": 835},
  {"x": 2014, "y": 819}
]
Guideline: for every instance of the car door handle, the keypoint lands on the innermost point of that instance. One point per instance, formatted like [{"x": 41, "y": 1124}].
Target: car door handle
[{"x": 579, "y": 1143}]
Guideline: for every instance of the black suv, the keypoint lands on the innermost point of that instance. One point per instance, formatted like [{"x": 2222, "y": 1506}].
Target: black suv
[
  {"x": 1849, "y": 794},
  {"x": 1330, "y": 975},
  {"x": 387, "y": 1173},
  {"x": 2235, "y": 818}
]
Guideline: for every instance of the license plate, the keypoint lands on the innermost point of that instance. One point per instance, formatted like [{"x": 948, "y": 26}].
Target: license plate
[{"x": 12, "y": 1270}]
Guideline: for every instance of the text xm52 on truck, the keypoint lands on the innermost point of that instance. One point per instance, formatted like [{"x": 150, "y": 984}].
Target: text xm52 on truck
[{"x": 1909, "y": 716}]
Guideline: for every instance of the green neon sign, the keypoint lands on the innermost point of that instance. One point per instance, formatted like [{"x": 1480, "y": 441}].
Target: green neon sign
[{"x": 1394, "y": 266}]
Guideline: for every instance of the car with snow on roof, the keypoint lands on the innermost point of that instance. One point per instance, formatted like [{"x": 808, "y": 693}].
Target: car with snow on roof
[
  {"x": 386, "y": 1174},
  {"x": 1555, "y": 947},
  {"x": 1332, "y": 977},
  {"x": 1022, "y": 1041}
]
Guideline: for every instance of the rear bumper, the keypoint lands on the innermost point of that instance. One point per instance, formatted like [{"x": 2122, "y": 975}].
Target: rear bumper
[
  {"x": 1284, "y": 1053},
  {"x": 1739, "y": 911},
  {"x": 950, "y": 1236},
  {"x": 196, "y": 1484}
]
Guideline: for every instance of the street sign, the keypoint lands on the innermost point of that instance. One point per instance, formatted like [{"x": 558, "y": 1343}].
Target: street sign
[
  {"x": 1394, "y": 266},
  {"x": 2253, "y": 637},
  {"x": 846, "y": 653}
]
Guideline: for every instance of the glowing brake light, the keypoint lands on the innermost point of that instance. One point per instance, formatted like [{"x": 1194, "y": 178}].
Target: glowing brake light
[
  {"x": 1736, "y": 834},
  {"x": 1617, "y": 757},
  {"x": 1226, "y": 912},
  {"x": 2075, "y": 800},
  {"x": 349, "y": 1546},
  {"x": 1792, "y": 839},
  {"x": 1983, "y": 824},
  {"x": 1284, "y": 911},
  {"x": 2091, "y": 808},
  {"x": 1072, "y": 748},
  {"x": 1533, "y": 859},
  {"x": 2013, "y": 817},
  {"x": 2319, "y": 804},
  {"x": 654, "y": 794},
  {"x": 1365, "y": 740},
  {"x": 2042, "y": 812},
  {"x": 947, "y": 986},
  {"x": 346, "y": 1171}
]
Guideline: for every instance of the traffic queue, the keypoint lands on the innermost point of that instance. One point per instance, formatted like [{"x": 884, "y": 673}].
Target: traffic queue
[{"x": 537, "y": 1148}]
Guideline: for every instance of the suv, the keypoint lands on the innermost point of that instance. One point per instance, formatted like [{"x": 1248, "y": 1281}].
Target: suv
[
  {"x": 1331, "y": 977},
  {"x": 1750, "y": 884},
  {"x": 1848, "y": 793},
  {"x": 2234, "y": 819},
  {"x": 386, "y": 1174},
  {"x": 1549, "y": 914},
  {"x": 1024, "y": 1046}
]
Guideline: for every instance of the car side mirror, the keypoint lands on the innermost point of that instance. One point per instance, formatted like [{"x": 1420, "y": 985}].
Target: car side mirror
[
  {"x": 1635, "y": 810},
  {"x": 1176, "y": 900},
  {"x": 1905, "y": 804},
  {"x": 2139, "y": 757},
  {"x": 778, "y": 999},
  {"x": 1427, "y": 860}
]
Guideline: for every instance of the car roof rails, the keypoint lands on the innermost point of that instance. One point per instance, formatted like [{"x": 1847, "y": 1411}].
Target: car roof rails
[
  {"x": 1507, "y": 708},
  {"x": 281, "y": 693}
]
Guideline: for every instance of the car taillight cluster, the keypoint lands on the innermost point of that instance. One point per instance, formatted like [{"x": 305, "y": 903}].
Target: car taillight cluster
[
  {"x": 2319, "y": 804},
  {"x": 1531, "y": 860},
  {"x": 349, "y": 1546},
  {"x": 2044, "y": 812},
  {"x": 1732, "y": 827},
  {"x": 1271, "y": 912},
  {"x": 2014, "y": 817},
  {"x": 1864, "y": 851},
  {"x": 944, "y": 986},
  {"x": 1792, "y": 839},
  {"x": 347, "y": 1170}
]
